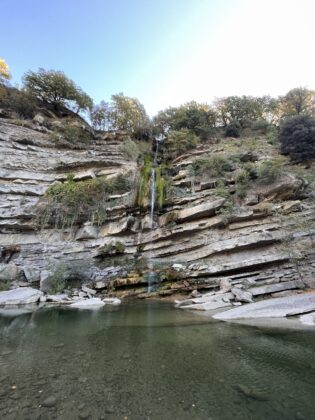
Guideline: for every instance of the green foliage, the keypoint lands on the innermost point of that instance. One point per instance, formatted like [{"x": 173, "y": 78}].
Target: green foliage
[
  {"x": 4, "y": 71},
  {"x": 233, "y": 129},
  {"x": 143, "y": 193},
  {"x": 160, "y": 187},
  {"x": 297, "y": 138},
  {"x": 72, "y": 134},
  {"x": 242, "y": 182},
  {"x": 298, "y": 101},
  {"x": 198, "y": 118},
  {"x": 72, "y": 203},
  {"x": 260, "y": 125},
  {"x": 180, "y": 142},
  {"x": 57, "y": 280},
  {"x": 216, "y": 166},
  {"x": 135, "y": 150},
  {"x": 19, "y": 102},
  {"x": 116, "y": 248},
  {"x": 272, "y": 135},
  {"x": 54, "y": 87},
  {"x": 270, "y": 171}
]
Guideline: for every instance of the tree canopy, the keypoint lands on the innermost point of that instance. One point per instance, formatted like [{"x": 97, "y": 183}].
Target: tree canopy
[
  {"x": 4, "y": 71},
  {"x": 56, "y": 88},
  {"x": 298, "y": 101}
]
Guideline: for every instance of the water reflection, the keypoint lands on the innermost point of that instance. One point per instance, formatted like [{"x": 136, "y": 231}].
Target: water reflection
[{"x": 148, "y": 361}]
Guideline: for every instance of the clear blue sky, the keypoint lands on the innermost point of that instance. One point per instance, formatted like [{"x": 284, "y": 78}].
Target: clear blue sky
[{"x": 164, "y": 52}]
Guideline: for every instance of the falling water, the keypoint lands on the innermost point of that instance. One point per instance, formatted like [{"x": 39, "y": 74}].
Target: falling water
[
  {"x": 152, "y": 275},
  {"x": 153, "y": 195}
]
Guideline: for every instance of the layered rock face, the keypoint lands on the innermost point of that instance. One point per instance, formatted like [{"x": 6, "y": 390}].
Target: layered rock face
[{"x": 266, "y": 241}]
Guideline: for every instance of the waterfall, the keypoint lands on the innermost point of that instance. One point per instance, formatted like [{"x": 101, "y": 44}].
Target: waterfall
[
  {"x": 152, "y": 275},
  {"x": 153, "y": 196}
]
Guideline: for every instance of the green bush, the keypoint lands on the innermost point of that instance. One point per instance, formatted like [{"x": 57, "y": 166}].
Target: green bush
[
  {"x": 19, "y": 102},
  {"x": 270, "y": 171},
  {"x": 215, "y": 166},
  {"x": 116, "y": 248},
  {"x": 181, "y": 141},
  {"x": 73, "y": 134},
  {"x": 233, "y": 129},
  {"x": 242, "y": 182},
  {"x": 261, "y": 126},
  {"x": 297, "y": 138},
  {"x": 70, "y": 203}
]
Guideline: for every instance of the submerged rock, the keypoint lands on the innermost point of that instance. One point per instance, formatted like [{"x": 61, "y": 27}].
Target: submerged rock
[
  {"x": 112, "y": 301},
  {"x": 92, "y": 303},
  {"x": 254, "y": 393},
  {"x": 20, "y": 296}
]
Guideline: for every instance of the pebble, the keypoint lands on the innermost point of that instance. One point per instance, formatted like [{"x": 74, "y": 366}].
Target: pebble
[
  {"x": 50, "y": 401},
  {"x": 84, "y": 415}
]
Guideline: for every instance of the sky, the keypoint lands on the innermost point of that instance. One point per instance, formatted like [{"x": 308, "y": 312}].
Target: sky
[{"x": 164, "y": 52}]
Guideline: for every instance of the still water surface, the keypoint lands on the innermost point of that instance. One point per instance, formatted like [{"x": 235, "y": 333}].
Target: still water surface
[{"x": 147, "y": 360}]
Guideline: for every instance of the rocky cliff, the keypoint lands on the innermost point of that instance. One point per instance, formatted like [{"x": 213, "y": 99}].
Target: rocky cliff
[{"x": 205, "y": 234}]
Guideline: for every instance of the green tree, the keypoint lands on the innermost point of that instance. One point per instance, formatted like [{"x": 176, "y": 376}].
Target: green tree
[
  {"x": 128, "y": 114},
  {"x": 101, "y": 116},
  {"x": 56, "y": 88},
  {"x": 199, "y": 118},
  {"x": 298, "y": 101},
  {"x": 297, "y": 137},
  {"x": 4, "y": 71}
]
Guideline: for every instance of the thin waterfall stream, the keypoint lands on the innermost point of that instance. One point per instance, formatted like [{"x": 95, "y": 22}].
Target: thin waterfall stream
[{"x": 152, "y": 276}]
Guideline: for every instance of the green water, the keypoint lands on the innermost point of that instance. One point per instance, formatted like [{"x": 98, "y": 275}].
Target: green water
[{"x": 149, "y": 361}]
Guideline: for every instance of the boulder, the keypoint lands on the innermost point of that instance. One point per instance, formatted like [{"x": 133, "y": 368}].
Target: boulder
[
  {"x": 178, "y": 267},
  {"x": 20, "y": 296},
  {"x": 88, "y": 290},
  {"x": 225, "y": 285},
  {"x": 32, "y": 275},
  {"x": 9, "y": 272},
  {"x": 112, "y": 301},
  {"x": 242, "y": 295},
  {"x": 87, "y": 232}
]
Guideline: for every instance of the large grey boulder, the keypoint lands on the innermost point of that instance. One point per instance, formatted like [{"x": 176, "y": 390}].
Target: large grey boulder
[
  {"x": 20, "y": 296},
  {"x": 242, "y": 295},
  {"x": 9, "y": 272},
  {"x": 32, "y": 275},
  {"x": 272, "y": 308}
]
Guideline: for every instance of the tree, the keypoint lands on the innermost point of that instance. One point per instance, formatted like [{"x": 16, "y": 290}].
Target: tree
[
  {"x": 243, "y": 109},
  {"x": 128, "y": 114},
  {"x": 297, "y": 137},
  {"x": 101, "y": 116},
  {"x": 298, "y": 101},
  {"x": 4, "y": 71},
  {"x": 56, "y": 88},
  {"x": 199, "y": 118}
]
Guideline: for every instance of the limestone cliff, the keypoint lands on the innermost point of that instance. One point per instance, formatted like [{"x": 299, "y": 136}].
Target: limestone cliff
[{"x": 264, "y": 238}]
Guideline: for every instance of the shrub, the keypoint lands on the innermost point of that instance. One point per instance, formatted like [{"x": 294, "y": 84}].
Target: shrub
[
  {"x": 19, "y": 102},
  {"x": 242, "y": 182},
  {"x": 71, "y": 136},
  {"x": 297, "y": 138},
  {"x": 261, "y": 126},
  {"x": 233, "y": 129},
  {"x": 270, "y": 171},
  {"x": 71, "y": 202},
  {"x": 215, "y": 166},
  {"x": 116, "y": 248},
  {"x": 181, "y": 141}
]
